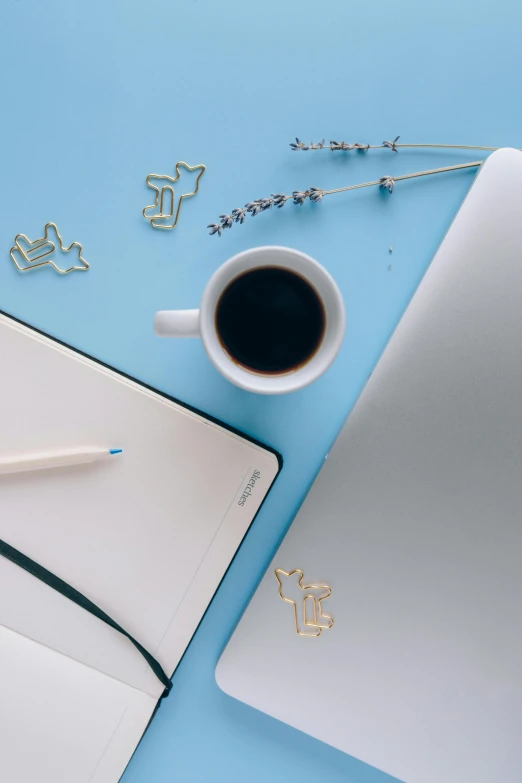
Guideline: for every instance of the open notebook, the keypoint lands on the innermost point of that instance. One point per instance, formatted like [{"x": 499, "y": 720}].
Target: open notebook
[{"x": 146, "y": 537}]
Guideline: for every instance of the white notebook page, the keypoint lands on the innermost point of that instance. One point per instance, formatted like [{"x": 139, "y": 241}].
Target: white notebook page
[
  {"x": 61, "y": 721},
  {"x": 146, "y": 535}
]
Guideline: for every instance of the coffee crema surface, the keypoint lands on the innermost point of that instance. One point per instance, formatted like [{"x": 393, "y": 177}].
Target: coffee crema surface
[{"x": 270, "y": 320}]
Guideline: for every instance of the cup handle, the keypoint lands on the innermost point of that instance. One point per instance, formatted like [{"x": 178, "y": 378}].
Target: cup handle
[{"x": 177, "y": 323}]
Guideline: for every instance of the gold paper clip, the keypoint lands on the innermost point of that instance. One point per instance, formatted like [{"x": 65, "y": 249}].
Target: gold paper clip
[
  {"x": 34, "y": 252},
  {"x": 308, "y": 613},
  {"x": 165, "y": 196}
]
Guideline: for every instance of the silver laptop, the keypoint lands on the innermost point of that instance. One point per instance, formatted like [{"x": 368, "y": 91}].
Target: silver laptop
[{"x": 389, "y": 624}]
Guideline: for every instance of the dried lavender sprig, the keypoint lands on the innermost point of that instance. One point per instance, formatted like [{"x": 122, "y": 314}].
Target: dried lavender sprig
[
  {"x": 384, "y": 184},
  {"x": 333, "y": 145},
  {"x": 336, "y": 146},
  {"x": 317, "y": 194}
]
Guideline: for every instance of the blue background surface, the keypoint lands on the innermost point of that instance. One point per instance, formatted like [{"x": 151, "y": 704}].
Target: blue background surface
[{"x": 96, "y": 95}]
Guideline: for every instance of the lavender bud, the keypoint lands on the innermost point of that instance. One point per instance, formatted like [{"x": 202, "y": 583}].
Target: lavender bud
[
  {"x": 387, "y": 182},
  {"x": 279, "y": 199},
  {"x": 226, "y": 221},
  {"x": 391, "y": 145},
  {"x": 253, "y": 208},
  {"x": 215, "y": 228},
  {"x": 265, "y": 203},
  {"x": 316, "y": 194},
  {"x": 238, "y": 215},
  {"x": 298, "y": 145},
  {"x": 299, "y": 197}
]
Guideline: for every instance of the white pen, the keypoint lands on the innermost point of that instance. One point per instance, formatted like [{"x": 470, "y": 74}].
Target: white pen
[{"x": 46, "y": 460}]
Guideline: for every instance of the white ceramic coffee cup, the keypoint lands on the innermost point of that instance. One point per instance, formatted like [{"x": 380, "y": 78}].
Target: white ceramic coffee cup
[{"x": 202, "y": 322}]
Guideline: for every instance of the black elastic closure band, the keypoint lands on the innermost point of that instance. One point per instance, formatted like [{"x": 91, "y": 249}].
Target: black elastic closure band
[{"x": 45, "y": 576}]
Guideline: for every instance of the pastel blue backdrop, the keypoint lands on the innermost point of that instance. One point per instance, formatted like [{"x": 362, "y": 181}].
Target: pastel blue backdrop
[{"x": 95, "y": 95}]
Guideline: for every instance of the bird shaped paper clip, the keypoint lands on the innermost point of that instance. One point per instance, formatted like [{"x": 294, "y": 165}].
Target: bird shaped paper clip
[
  {"x": 309, "y": 618},
  {"x": 165, "y": 200},
  {"x": 39, "y": 252}
]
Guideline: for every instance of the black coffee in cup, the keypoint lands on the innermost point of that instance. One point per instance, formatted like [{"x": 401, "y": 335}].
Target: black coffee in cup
[{"x": 270, "y": 320}]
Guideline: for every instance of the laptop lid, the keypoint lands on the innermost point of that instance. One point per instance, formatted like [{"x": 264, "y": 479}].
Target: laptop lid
[{"x": 414, "y": 525}]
